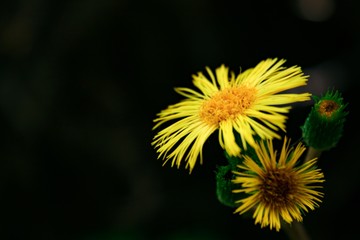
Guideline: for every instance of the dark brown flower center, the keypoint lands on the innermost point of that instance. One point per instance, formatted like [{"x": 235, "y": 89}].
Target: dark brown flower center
[{"x": 278, "y": 188}]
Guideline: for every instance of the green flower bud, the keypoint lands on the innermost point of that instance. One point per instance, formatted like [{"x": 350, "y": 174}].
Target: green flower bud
[
  {"x": 224, "y": 186},
  {"x": 225, "y": 177},
  {"x": 324, "y": 126}
]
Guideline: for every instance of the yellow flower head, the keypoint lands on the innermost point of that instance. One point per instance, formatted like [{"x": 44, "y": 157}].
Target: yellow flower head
[
  {"x": 247, "y": 103},
  {"x": 278, "y": 187}
]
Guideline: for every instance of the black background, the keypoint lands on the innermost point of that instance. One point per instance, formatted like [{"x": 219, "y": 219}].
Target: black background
[{"x": 81, "y": 82}]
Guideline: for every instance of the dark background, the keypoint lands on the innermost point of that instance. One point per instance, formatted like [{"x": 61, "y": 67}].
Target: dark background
[{"x": 81, "y": 82}]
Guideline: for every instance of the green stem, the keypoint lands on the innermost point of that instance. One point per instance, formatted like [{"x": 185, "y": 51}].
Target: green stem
[
  {"x": 312, "y": 153},
  {"x": 295, "y": 231}
]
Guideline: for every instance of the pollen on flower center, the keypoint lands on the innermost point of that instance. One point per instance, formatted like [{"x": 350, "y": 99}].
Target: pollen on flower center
[
  {"x": 278, "y": 187},
  {"x": 328, "y": 107},
  {"x": 227, "y": 104}
]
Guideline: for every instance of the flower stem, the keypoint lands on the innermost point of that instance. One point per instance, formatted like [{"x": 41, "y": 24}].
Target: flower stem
[
  {"x": 312, "y": 153},
  {"x": 295, "y": 231}
]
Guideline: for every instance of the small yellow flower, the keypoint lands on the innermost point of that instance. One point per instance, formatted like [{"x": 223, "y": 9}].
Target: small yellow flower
[
  {"x": 247, "y": 103},
  {"x": 278, "y": 186}
]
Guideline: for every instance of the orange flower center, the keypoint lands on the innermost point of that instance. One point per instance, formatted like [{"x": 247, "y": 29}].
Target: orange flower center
[
  {"x": 227, "y": 104},
  {"x": 328, "y": 107}
]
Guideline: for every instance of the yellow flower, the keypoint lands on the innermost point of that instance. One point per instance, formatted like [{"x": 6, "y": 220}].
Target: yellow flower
[
  {"x": 278, "y": 188},
  {"x": 247, "y": 103}
]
